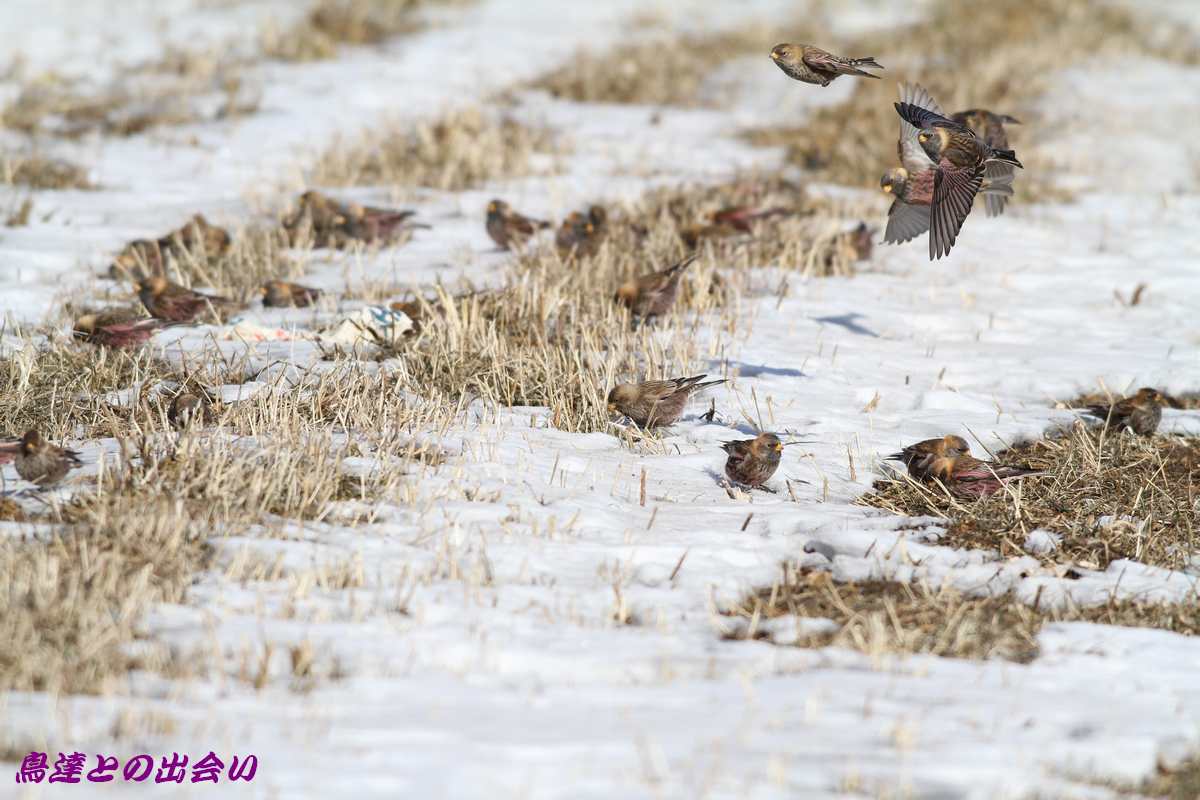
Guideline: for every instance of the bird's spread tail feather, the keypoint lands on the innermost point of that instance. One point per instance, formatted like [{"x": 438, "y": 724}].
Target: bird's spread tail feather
[{"x": 1007, "y": 156}]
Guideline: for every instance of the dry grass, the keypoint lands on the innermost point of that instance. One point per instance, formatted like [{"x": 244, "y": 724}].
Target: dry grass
[
  {"x": 1179, "y": 783},
  {"x": 552, "y": 336},
  {"x": 1003, "y": 60},
  {"x": 136, "y": 537},
  {"x": 61, "y": 389},
  {"x": 665, "y": 70},
  {"x": 149, "y": 97},
  {"x": 252, "y": 257},
  {"x": 882, "y": 618},
  {"x": 1110, "y": 496},
  {"x": 68, "y": 605},
  {"x": 332, "y": 23},
  {"x": 37, "y": 172},
  {"x": 462, "y": 150}
]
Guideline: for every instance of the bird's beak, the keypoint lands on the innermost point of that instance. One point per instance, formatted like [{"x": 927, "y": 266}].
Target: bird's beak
[
  {"x": 778, "y": 448},
  {"x": 612, "y": 408},
  {"x": 775, "y": 55},
  {"x": 887, "y": 187}
]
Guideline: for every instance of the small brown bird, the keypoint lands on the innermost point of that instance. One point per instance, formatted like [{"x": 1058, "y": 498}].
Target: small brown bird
[
  {"x": 752, "y": 462},
  {"x": 652, "y": 404},
  {"x": 509, "y": 229},
  {"x": 199, "y": 237},
  {"x": 968, "y": 477},
  {"x": 959, "y": 157},
  {"x": 919, "y": 457},
  {"x": 653, "y": 295},
  {"x": 1140, "y": 413},
  {"x": 990, "y": 127},
  {"x": 43, "y": 463},
  {"x": 139, "y": 258},
  {"x": 174, "y": 303},
  {"x": 813, "y": 65},
  {"x": 578, "y": 235},
  {"x": 190, "y": 408},
  {"x": 284, "y": 294},
  {"x": 336, "y": 224},
  {"x": 118, "y": 328}
]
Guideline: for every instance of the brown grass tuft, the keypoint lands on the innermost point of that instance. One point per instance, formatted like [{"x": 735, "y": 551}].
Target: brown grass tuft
[
  {"x": 67, "y": 606},
  {"x": 1110, "y": 496},
  {"x": 460, "y": 151},
  {"x": 37, "y": 172},
  {"x": 331, "y": 23},
  {"x": 665, "y": 70},
  {"x": 882, "y": 618}
]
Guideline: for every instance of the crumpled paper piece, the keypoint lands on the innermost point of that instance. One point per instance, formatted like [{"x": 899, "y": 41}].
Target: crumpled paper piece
[{"x": 370, "y": 325}]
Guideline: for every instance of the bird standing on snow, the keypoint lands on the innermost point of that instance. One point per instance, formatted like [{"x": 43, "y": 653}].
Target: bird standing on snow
[
  {"x": 43, "y": 463},
  {"x": 654, "y": 294},
  {"x": 509, "y": 229},
  {"x": 959, "y": 157},
  {"x": 656, "y": 403},
  {"x": 1140, "y": 413},
  {"x": 810, "y": 64},
  {"x": 752, "y": 462}
]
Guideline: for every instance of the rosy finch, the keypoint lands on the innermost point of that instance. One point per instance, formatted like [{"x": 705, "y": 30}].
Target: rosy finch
[
  {"x": 43, "y": 463},
  {"x": 814, "y": 65},
  {"x": 968, "y": 477},
  {"x": 174, "y": 303},
  {"x": 652, "y": 404},
  {"x": 752, "y": 462},
  {"x": 284, "y": 294},
  {"x": 919, "y": 457},
  {"x": 1140, "y": 413},
  {"x": 509, "y": 229},
  {"x": 959, "y": 157},
  {"x": 653, "y": 295},
  {"x": 118, "y": 328}
]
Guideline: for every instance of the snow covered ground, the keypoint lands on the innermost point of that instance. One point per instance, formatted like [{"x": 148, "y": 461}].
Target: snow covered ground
[{"x": 506, "y": 676}]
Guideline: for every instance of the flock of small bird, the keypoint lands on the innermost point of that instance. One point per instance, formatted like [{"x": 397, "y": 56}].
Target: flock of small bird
[{"x": 945, "y": 163}]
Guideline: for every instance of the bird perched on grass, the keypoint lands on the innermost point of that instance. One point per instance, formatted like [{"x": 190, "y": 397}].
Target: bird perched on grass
[
  {"x": 197, "y": 238},
  {"x": 752, "y": 462},
  {"x": 509, "y": 229},
  {"x": 652, "y": 295},
  {"x": 810, "y": 64},
  {"x": 581, "y": 234},
  {"x": 651, "y": 404},
  {"x": 970, "y": 478},
  {"x": 284, "y": 294},
  {"x": 336, "y": 224},
  {"x": 119, "y": 329},
  {"x": 43, "y": 463},
  {"x": 174, "y": 303},
  {"x": 959, "y": 158},
  {"x": 919, "y": 457},
  {"x": 190, "y": 408},
  {"x": 1140, "y": 413},
  {"x": 990, "y": 127}
]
